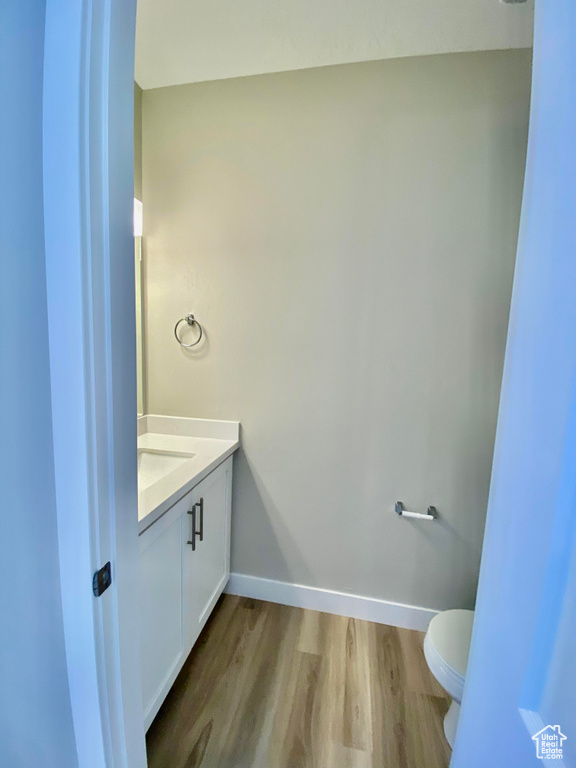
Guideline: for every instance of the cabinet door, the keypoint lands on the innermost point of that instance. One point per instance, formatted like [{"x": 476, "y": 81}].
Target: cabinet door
[
  {"x": 206, "y": 568},
  {"x": 214, "y": 549},
  {"x": 160, "y": 607}
]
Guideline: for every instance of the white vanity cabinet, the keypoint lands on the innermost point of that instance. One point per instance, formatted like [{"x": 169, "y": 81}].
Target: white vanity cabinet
[{"x": 184, "y": 567}]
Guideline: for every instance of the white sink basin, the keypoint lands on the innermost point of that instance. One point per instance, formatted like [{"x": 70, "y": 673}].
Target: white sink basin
[{"x": 154, "y": 465}]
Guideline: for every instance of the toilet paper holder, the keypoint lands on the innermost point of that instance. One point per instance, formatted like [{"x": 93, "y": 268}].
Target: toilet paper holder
[{"x": 431, "y": 514}]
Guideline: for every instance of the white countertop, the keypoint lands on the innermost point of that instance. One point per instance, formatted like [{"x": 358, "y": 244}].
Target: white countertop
[{"x": 211, "y": 442}]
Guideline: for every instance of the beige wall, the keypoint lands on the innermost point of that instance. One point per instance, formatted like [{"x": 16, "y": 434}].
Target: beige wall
[{"x": 346, "y": 236}]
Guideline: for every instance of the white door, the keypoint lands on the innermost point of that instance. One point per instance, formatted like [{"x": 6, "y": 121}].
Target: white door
[
  {"x": 520, "y": 692},
  {"x": 88, "y": 191}
]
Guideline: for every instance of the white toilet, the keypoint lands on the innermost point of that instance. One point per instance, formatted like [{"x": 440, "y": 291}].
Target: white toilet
[{"x": 446, "y": 648}]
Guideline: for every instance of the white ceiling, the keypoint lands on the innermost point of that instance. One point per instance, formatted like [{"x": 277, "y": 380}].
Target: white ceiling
[{"x": 188, "y": 41}]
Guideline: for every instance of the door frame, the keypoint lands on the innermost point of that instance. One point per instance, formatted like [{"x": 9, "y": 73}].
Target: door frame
[{"x": 88, "y": 198}]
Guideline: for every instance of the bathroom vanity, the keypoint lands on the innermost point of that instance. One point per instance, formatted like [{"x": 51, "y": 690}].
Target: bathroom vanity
[{"x": 184, "y": 501}]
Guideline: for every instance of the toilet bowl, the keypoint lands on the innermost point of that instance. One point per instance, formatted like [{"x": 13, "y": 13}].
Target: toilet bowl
[{"x": 446, "y": 648}]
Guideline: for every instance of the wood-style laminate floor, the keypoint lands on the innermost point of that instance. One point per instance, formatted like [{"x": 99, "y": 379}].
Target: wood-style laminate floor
[{"x": 268, "y": 686}]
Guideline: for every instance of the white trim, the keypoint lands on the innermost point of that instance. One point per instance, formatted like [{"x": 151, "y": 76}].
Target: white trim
[{"x": 330, "y": 601}]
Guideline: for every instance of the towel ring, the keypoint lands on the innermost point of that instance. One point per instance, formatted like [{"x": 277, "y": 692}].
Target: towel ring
[{"x": 191, "y": 321}]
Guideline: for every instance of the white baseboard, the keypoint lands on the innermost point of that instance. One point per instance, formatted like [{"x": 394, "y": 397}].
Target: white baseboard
[{"x": 328, "y": 601}]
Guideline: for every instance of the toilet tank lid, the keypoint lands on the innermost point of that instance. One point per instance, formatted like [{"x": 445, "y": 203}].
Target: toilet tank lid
[{"x": 450, "y": 633}]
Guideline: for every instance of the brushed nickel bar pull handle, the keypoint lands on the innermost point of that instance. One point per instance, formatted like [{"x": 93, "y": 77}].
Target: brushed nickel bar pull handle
[{"x": 193, "y": 540}]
